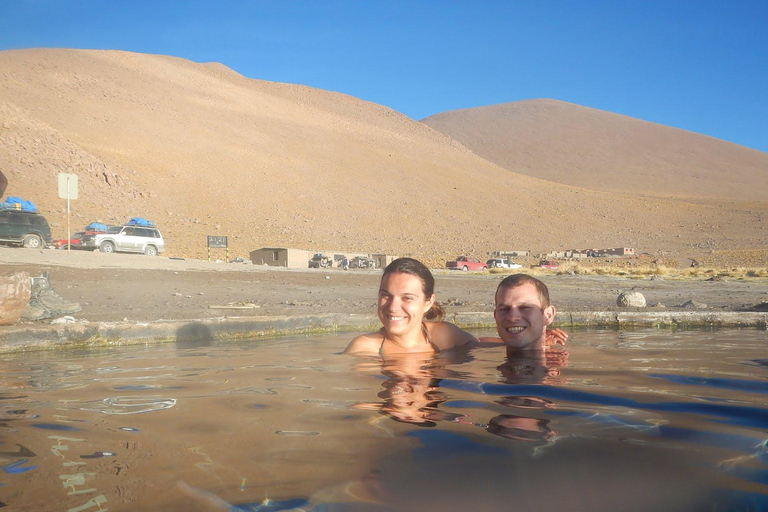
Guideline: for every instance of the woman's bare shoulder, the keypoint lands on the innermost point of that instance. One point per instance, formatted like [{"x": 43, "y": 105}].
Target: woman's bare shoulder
[
  {"x": 447, "y": 335},
  {"x": 365, "y": 344}
]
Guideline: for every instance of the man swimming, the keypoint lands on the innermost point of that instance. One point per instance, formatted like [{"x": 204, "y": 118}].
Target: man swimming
[{"x": 523, "y": 313}]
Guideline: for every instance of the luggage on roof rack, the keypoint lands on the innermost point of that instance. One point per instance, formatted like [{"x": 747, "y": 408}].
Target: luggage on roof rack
[
  {"x": 96, "y": 226},
  {"x": 17, "y": 203},
  {"x": 139, "y": 221}
]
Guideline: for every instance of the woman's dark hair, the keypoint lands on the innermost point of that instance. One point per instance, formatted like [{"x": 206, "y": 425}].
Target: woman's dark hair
[{"x": 418, "y": 269}]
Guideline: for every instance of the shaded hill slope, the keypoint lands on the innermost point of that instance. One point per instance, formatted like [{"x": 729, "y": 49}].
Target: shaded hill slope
[
  {"x": 205, "y": 151},
  {"x": 591, "y": 148}
]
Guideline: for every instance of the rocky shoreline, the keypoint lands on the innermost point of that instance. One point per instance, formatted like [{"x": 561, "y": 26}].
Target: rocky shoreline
[{"x": 137, "y": 299}]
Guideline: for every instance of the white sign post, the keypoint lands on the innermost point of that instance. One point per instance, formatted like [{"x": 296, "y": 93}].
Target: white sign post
[{"x": 68, "y": 190}]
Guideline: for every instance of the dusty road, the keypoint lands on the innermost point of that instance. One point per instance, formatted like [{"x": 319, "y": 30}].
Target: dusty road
[{"x": 117, "y": 287}]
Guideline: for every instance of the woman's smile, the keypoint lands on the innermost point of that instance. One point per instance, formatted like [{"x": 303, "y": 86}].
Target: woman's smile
[{"x": 402, "y": 304}]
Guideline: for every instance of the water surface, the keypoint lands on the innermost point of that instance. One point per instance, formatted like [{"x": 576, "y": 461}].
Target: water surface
[{"x": 646, "y": 420}]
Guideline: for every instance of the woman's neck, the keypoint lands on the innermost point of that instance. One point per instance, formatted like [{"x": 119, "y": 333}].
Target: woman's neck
[{"x": 414, "y": 341}]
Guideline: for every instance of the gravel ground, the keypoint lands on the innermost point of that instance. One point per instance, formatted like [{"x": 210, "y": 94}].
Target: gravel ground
[{"x": 118, "y": 287}]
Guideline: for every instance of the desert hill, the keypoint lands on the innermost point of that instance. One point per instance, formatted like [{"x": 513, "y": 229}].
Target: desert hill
[
  {"x": 586, "y": 147},
  {"x": 203, "y": 151}
]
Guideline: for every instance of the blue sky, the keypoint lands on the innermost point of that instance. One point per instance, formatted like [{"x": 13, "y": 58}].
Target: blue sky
[{"x": 698, "y": 65}]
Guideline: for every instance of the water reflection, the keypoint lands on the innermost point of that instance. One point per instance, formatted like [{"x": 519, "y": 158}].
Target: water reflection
[
  {"x": 534, "y": 367},
  {"x": 411, "y": 389}
]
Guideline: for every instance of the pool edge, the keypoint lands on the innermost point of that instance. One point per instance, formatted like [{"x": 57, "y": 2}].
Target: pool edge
[{"x": 26, "y": 337}]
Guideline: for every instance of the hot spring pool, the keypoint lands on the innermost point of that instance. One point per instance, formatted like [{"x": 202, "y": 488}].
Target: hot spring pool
[{"x": 644, "y": 420}]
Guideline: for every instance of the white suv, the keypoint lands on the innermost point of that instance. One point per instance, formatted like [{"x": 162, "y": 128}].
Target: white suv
[
  {"x": 139, "y": 239},
  {"x": 502, "y": 263}
]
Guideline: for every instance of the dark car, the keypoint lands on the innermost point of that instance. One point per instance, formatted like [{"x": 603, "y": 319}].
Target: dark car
[
  {"x": 24, "y": 228},
  {"x": 321, "y": 261},
  {"x": 362, "y": 262}
]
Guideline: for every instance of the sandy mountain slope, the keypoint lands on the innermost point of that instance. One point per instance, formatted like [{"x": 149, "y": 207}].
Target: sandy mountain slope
[
  {"x": 591, "y": 148},
  {"x": 203, "y": 151}
]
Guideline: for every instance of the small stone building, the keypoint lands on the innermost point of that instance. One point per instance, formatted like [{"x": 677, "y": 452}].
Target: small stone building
[
  {"x": 621, "y": 251},
  {"x": 382, "y": 260},
  {"x": 281, "y": 257}
]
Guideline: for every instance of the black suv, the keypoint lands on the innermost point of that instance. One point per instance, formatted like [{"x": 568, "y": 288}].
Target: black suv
[{"x": 24, "y": 228}]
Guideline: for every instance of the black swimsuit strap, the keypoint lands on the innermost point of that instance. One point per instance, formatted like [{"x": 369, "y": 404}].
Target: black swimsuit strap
[{"x": 424, "y": 331}]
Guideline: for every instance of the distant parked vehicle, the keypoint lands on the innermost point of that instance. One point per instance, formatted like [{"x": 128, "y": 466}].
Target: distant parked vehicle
[
  {"x": 466, "y": 263},
  {"x": 502, "y": 263},
  {"x": 74, "y": 242},
  {"x": 21, "y": 224},
  {"x": 548, "y": 264},
  {"x": 144, "y": 240},
  {"x": 362, "y": 262},
  {"x": 321, "y": 261},
  {"x": 24, "y": 228}
]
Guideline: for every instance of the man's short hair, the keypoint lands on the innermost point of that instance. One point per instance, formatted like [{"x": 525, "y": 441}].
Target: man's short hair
[{"x": 516, "y": 280}]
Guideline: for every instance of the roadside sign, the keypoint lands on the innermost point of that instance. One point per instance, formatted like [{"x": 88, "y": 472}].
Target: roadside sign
[
  {"x": 217, "y": 242},
  {"x": 68, "y": 191},
  {"x": 67, "y": 186}
]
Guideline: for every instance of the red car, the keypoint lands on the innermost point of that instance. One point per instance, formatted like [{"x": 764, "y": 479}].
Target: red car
[
  {"x": 466, "y": 263},
  {"x": 548, "y": 264},
  {"x": 74, "y": 242}
]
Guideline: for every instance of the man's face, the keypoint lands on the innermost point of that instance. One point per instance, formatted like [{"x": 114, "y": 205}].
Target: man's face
[{"x": 520, "y": 318}]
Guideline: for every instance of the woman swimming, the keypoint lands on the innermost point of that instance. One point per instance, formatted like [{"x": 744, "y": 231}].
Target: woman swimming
[{"x": 412, "y": 320}]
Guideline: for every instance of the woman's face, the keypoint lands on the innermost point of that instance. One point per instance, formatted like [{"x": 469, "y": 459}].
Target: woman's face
[{"x": 402, "y": 303}]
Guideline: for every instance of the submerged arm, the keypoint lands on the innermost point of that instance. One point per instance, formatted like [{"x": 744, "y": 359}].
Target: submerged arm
[{"x": 554, "y": 337}]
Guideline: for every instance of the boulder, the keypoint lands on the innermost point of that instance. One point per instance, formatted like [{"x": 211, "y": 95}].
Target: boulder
[
  {"x": 15, "y": 290},
  {"x": 631, "y": 300}
]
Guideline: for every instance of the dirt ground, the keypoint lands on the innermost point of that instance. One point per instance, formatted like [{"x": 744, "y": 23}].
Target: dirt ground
[{"x": 136, "y": 288}]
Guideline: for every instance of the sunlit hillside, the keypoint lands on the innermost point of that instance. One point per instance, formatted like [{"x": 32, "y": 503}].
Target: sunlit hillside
[
  {"x": 203, "y": 151},
  {"x": 586, "y": 147}
]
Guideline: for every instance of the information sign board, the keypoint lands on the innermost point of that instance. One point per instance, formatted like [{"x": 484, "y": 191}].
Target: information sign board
[{"x": 217, "y": 242}]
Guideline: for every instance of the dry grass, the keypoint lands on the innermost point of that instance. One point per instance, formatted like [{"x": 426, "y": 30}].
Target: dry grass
[
  {"x": 631, "y": 269},
  {"x": 645, "y": 271}
]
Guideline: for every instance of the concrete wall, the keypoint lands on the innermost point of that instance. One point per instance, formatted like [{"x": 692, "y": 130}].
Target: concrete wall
[
  {"x": 298, "y": 258},
  {"x": 382, "y": 260}
]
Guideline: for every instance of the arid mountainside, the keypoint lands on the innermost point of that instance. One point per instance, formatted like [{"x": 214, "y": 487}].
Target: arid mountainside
[
  {"x": 586, "y": 147},
  {"x": 203, "y": 151}
]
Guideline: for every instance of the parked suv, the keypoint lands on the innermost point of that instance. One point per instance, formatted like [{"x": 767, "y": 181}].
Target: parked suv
[
  {"x": 321, "y": 261},
  {"x": 502, "y": 263},
  {"x": 24, "y": 228},
  {"x": 126, "y": 239}
]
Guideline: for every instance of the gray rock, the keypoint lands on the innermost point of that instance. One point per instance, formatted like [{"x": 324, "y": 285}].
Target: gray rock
[
  {"x": 631, "y": 300},
  {"x": 692, "y": 304}
]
